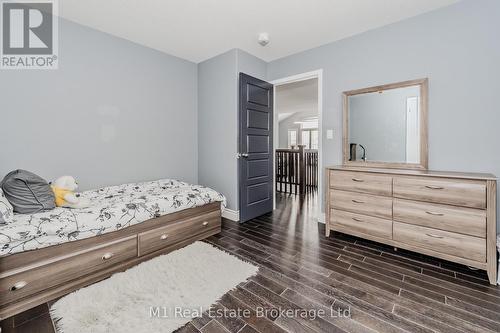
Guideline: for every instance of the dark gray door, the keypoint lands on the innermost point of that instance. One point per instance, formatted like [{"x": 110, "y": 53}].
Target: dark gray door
[{"x": 255, "y": 147}]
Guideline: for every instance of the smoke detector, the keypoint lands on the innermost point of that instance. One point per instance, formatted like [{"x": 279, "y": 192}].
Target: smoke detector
[{"x": 263, "y": 38}]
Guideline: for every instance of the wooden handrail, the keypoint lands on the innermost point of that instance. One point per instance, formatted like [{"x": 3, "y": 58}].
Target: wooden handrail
[{"x": 286, "y": 149}]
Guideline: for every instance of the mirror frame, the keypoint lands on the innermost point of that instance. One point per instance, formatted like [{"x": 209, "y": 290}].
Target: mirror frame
[{"x": 424, "y": 158}]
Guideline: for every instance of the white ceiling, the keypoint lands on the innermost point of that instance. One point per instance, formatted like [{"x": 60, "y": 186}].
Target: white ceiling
[
  {"x": 296, "y": 97},
  {"x": 200, "y": 29}
]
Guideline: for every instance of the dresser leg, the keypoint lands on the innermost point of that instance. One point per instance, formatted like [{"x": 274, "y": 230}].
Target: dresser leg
[
  {"x": 492, "y": 272},
  {"x": 491, "y": 230}
]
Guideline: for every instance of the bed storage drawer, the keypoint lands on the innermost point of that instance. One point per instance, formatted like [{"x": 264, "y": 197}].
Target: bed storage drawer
[
  {"x": 464, "y": 193},
  {"x": 29, "y": 280},
  {"x": 156, "y": 239},
  {"x": 451, "y": 243},
  {"x": 361, "y": 182},
  {"x": 362, "y": 224}
]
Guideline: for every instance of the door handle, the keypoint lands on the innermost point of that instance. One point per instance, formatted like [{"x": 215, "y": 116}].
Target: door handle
[{"x": 240, "y": 155}]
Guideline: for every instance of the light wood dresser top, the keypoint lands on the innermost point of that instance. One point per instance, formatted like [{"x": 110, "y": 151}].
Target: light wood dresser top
[{"x": 428, "y": 173}]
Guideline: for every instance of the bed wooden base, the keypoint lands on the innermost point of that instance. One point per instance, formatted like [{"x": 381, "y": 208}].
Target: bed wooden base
[{"x": 28, "y": 279}]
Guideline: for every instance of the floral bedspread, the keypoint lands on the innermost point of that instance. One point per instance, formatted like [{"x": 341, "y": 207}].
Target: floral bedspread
[{"x": 112, "y": 208}]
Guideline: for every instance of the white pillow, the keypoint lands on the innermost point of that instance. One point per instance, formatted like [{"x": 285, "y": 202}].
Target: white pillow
[{"x": 6, "y": 210}]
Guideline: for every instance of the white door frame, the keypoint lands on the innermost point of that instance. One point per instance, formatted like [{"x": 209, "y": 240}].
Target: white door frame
[{"x": 317, "y": 74}]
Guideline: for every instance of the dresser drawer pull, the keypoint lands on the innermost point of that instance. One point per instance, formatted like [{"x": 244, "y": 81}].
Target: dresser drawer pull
[
  {"x": 435, "y": 236},
  {"x": 432, "y": 187},
  {"x": 357, "y": 180},
  {"x": 107, "y": 256},
  {"x": 358, "y": 201},
  {"x": 19, "y": 285},
  {"x": 357, "y": 220},
  {"x": 435, "y": 214},
  {"x": 205, "y": 223},
  {"x": 164, "y": 236}
]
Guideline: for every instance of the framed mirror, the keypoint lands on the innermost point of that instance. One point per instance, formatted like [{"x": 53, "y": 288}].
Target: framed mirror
[{"x": 386, "y": 126}]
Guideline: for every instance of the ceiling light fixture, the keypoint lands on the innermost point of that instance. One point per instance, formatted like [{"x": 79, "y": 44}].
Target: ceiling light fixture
[{"x": 263, "y": 38}]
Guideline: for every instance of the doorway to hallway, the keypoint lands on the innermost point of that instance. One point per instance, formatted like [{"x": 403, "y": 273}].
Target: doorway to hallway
[{"x": 297, "y": 140}]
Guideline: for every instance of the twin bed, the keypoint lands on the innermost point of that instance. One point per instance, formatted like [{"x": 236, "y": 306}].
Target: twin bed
[{"x": 48, "y": 254}]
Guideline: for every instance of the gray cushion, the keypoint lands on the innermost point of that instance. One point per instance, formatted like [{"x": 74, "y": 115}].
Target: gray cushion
[
  {"x": 6, "y": 209},
  {"x": 27, "y": 192}
]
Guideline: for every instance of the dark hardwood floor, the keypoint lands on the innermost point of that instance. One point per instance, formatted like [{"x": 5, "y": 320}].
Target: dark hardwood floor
[{"x": 381, "y": 289}]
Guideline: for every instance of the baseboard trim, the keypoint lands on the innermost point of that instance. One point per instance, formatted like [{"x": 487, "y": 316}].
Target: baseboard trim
[{"x": 233, "y": 215}]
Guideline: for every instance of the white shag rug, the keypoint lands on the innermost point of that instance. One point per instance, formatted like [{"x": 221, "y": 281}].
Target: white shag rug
[{"x": 146, "y": 297}]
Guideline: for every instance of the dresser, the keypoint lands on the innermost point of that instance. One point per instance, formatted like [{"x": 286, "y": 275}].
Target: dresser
[{"x": 447, "y": 215}]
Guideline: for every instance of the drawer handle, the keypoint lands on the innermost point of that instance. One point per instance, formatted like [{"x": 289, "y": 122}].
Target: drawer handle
[
  {"x": 357, "y": 220},
  {"x": 205, "y": 223},
  {"x": 435, "y": 214},
  {"x": 432, "y": 187},
  {"x": 358, "y": 201},
  {"x": 435, "y": 236},
  {"x": 357, "y": 180},
  {"x": 107, "y": 256},
  {"x": 164, "y": 236},
  {"x": 19, "y": 285}
]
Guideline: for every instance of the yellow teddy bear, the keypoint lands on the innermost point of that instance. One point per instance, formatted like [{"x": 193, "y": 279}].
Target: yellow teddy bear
[{"x": 64, "y": 190}]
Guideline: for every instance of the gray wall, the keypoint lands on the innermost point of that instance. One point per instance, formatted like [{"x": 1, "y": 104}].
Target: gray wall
[
  {"x": 117, "y": 112},
  {"x": 457, "y": 47},
  {"x": 217, "y": 130},
  {"x": 251, "y": 65},
  {"x": 218, "y": 119},
  {"x": 113, "y": 112},
  {"x": 378, "y": 122}
]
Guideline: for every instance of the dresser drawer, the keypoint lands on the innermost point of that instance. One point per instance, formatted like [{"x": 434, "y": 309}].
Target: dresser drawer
[
  {"x": 451, "y": 243},
  {"x": 364, "y": 224},
  {"x": 458, "y": 192},
  {"x": 462, "y": 220},
  {"x": 30, "y": 280},
  {"x": 156, "y": 239},
  {"x": 361, "y": 182},
  {"x": 361, "y": 203}
]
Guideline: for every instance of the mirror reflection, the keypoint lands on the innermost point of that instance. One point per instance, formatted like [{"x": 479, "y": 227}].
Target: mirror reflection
[{"x": 384, "y": 126}]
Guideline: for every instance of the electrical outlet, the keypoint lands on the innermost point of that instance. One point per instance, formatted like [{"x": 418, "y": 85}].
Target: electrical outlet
[{"x": 329, "y": 134}]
